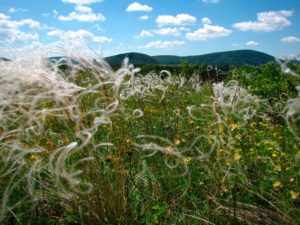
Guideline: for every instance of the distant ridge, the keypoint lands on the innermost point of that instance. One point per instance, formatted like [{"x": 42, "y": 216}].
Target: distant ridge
[
  {"x": 134, "y": 57},
  {"x": 234, "y": 58}
]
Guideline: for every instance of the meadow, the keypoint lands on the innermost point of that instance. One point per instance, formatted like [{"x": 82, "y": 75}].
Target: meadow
[{"x": 84, "y": 144}]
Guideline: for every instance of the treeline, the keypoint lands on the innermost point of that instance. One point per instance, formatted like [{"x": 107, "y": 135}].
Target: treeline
[{"x": 204, "y": 72}]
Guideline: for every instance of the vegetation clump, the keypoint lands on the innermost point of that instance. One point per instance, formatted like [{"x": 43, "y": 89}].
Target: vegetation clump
[{"x": 89, "y": 145}]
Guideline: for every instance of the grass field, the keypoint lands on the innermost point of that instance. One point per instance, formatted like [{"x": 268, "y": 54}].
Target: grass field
[{"x": 91, "y": 146}]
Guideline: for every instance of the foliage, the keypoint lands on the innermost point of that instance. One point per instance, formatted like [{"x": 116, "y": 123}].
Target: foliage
[
  {"x": 94, "y": 146},
  {"x": 233, "y": 58}
]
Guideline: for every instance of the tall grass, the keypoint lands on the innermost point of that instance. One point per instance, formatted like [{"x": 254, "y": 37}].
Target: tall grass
[{"x": 83, "y": 144}]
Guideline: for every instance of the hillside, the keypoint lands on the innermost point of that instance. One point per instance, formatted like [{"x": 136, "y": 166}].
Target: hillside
[
  {"x": 236, "y": 58},
  {"x": 135, "y": 58}
]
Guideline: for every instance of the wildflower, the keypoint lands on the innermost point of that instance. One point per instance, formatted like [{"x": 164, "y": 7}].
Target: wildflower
[
  {"x": 32, "y": 157},
  {"x": 292, "y": 179},
  {"x": 224, "y": 189},
  {"x": 177, "y": 142},
  {"x": 274, "y": 154},
  {"x": 186, "y": 160},
  {"x": 221, "y": 128},
  {"x": 128, "y": 141},
  {"x": 277, "y": 168},
  {"x": 237, "y": 156},
  {"x": 294, "y": 194},
  {"x": 66, "y": 141},
  {"x": 234, "y": 126},
  {"x": 277, "y": 185}
]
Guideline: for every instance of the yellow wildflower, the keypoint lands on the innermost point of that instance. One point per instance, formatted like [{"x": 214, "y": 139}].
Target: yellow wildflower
[
  {"x": 294, "y": 194},
  {"x": 234, "y": 126},
  {"x": 33, "y": 157},
  {"x": 237, "y": 156},
  {"x": 221, "y": 128},
  {"x": 186, "y": 160},
  {"x": 277, "y": 185},
  {"x": 224, "y": 189},
  {"x": 66, "y": 141},
  {"x": 277, "y": 168},
  {"x": 177, "y": 142}
]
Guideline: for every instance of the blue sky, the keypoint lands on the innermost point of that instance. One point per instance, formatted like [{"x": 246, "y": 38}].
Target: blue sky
[{"x": 154, "y": 27}]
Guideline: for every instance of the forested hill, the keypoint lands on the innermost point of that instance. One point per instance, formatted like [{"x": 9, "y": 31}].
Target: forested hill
[
  {"x": 235, "y": 58},
  {"x": 135, "y": 58}
]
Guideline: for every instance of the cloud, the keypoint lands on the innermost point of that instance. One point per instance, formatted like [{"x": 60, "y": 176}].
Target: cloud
[
  {"x": 144, "y": 17},
  {"x": 83, "y": 9},
  {"x": 179, "y": 19},
  {"x": 82, "y": 2},
  {"x": 206, "y": 20},
  {"x": 252, "y": 43},
  {"x": 78, "y": 36},
  {"x": 138, "y": 7},
  {"x": 290, "y": 39},
  {"x": 10, "y": 30},
  {"x": 163, "y": 44},
  {"x": 267, "y": 21},
  {"x": 82, "y": 14},
  {"x": 211, "y": 1},
  {"x": 208, "y": 31},
  {"x": 144, "y": 34},
  {"x": 168, "y": 31},
  {"x": 13, "y": 10},
  {"x": 163, "y": 31}
]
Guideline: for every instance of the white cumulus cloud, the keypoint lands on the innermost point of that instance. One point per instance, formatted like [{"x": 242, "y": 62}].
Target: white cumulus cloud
[
  {"x": 78, "y": 36},
  {"x": 168, "y": 31},
  {"x": 267, "y": 21},
  {"x": 208, "y": 31},
  {"x": 206, "y": 20},
  {"x": 290, "y": 39},
  {"x": 82, "y": 2},
  {"x": 83, "y": 9},
  {"x": 144, "y": 34},
  {"x": 11, "y": 30},
  {"x": 138, "y": 7},
  {"x": 252, "y": 43},
  {"x": 162, "y": 31},
  {"x": 82, "y": 14},
  {"x": 163, "y": 44},
  {"x": 179, "y": 19}
]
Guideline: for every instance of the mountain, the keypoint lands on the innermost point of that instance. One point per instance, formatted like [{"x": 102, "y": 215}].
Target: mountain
[
  {"x": 234, "y": 58},
  {"x": 134, "y": 58}
]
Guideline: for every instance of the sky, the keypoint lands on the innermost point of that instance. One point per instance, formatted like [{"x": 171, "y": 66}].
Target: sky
[{"x": 154, "y": 27}]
